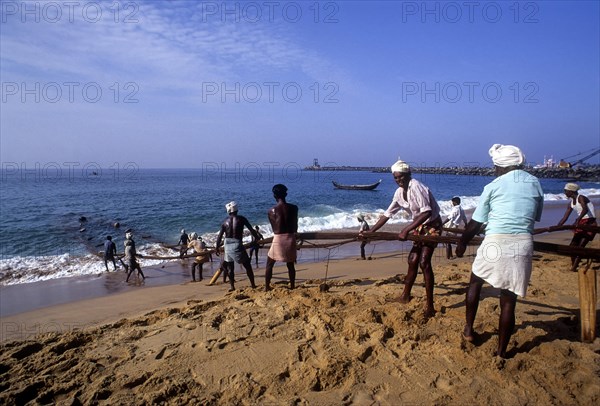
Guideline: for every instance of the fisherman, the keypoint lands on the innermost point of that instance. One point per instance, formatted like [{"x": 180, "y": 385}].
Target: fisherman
[
  {"x": 456, "y": 218},
  {"x": 254, "y": 245},
  {"x": 510, "y": 205},
  {"x": 200, "y": 248},
  {"x": 110, "y": 250},
  {"x": 183, "y": 243},
  {"x": 416, "y": 198},
  {"x": 364, "y": 226},
  {"x": 284, "y": 221},
  {"x": 233, "y": 230},
  {"x": 131, "y": 254},
  {"x": 586, "y": 216}
]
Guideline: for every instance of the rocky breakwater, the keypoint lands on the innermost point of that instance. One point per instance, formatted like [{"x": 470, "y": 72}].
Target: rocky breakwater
[{"x": 588, "y": 173}]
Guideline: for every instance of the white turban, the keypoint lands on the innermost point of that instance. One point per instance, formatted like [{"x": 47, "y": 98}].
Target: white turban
[
  {"x": 506, "y": 155},
  {"x": 401, "y": 167},
  {"x": 572, "y": 187},
  {"x": 231, "y": 207}
]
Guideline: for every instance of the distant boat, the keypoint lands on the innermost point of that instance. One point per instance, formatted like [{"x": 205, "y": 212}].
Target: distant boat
[{"x": 356, "y": 187}]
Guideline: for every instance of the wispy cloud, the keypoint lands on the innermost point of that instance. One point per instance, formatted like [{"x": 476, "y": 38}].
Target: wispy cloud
[{"x": 168, "y": 48}]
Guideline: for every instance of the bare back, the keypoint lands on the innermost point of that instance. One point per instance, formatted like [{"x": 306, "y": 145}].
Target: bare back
[
  {"x": 233, "y": 226},
  {"x": 284, "y": 217}
]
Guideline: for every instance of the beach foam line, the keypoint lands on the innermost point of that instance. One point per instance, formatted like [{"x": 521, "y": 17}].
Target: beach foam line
[{"x": 27, "y": 269}]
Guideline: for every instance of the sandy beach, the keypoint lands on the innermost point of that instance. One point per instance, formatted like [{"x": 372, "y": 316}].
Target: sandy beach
[{"x": 193, "y": 343}]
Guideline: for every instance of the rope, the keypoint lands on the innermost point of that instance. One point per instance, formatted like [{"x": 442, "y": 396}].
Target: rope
[{"x": 342, "y": 238}]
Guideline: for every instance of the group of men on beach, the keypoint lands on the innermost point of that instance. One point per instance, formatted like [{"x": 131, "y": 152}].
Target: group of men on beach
[
  {"x": 283, "y": 217},
  {"x": 284, "y": 221},
  {"x": 508, "y": 208}
]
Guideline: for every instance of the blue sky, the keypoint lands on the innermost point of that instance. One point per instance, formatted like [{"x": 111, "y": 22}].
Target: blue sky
[{"x": 178, "y": 84}]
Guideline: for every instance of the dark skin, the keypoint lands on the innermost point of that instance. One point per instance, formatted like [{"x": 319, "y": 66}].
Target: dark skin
[
  {"x": 508, "y": 299},
  {"x": 284, "y": 220},
  {"x": 419, "y": 256},
  {"x": 254, "y": 249},
  {"x": 183, "y": 241},
  {"x": 579, "y": 240},
  {"x": 233, "y": 227},
  {"x": 111, "y": 256}
]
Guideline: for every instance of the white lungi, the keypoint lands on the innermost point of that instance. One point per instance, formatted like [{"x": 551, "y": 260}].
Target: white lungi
[{"x": 504, "y": 261}]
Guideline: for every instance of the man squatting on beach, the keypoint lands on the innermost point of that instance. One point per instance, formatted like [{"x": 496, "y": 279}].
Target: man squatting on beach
[
  {"x": 233, "y": 230},
  {"x": 284, "y": 221},
  {"x": 510, "y": 205},
  {"x": 417, "y": 199}
]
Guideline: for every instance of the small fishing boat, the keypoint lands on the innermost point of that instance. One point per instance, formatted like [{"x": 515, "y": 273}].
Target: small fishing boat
[{"x": 356, "y": 187}]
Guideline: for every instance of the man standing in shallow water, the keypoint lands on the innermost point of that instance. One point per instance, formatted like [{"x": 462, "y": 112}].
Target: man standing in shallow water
[
  {"x": 233, "y": 230},
  {"x": 284, "y": 221},
  {"x": 131, "y": 256},
  {"x": 417, "y": 199}
]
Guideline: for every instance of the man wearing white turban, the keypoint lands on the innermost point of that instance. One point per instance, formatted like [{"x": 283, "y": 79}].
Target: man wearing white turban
[
  {"x": 586, "y": 216},
  {"x": 506, "y": 155},
  {"x": 233, "y": 230},
  {"x": 199, "y": 247},
  {"x": 415, "y": 198},
  {"x": 510, "y": 205},
  {"x": 131, "y": 256},
  {"x": 184, "y": 239}
]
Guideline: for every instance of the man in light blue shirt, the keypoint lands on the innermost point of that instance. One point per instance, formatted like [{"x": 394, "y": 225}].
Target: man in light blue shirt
[
  {"x": 510, "y": 205},
  {"x": 517, "y": 200}
]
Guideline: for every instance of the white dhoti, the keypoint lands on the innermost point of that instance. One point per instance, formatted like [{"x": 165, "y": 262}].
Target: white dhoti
[
  {"x": 283, "y": 248},
  {"x": 504, "y": 261}
]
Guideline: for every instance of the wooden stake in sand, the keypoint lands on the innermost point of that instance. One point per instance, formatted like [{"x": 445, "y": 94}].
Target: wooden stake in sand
[
  {"x": 215, "y": 277},
  {"x": 587, "y": 302}
]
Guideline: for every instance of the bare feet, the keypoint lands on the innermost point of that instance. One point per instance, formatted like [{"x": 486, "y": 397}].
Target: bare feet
[
  {"x": 428, "y": 313},
  {"x": 471, "y": 336}
]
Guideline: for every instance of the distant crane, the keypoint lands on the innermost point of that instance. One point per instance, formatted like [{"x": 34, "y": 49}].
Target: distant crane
[{"x": 594, "y": 152}]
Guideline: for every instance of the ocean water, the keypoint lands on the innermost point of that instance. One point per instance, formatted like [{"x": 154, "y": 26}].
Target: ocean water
[{"x": 42, "y": 237}]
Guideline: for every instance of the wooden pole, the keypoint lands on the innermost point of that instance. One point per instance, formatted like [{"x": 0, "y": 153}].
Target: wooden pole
[
  {"x": 587, "y": 302},
  {"x": 215, "y": 277}
]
